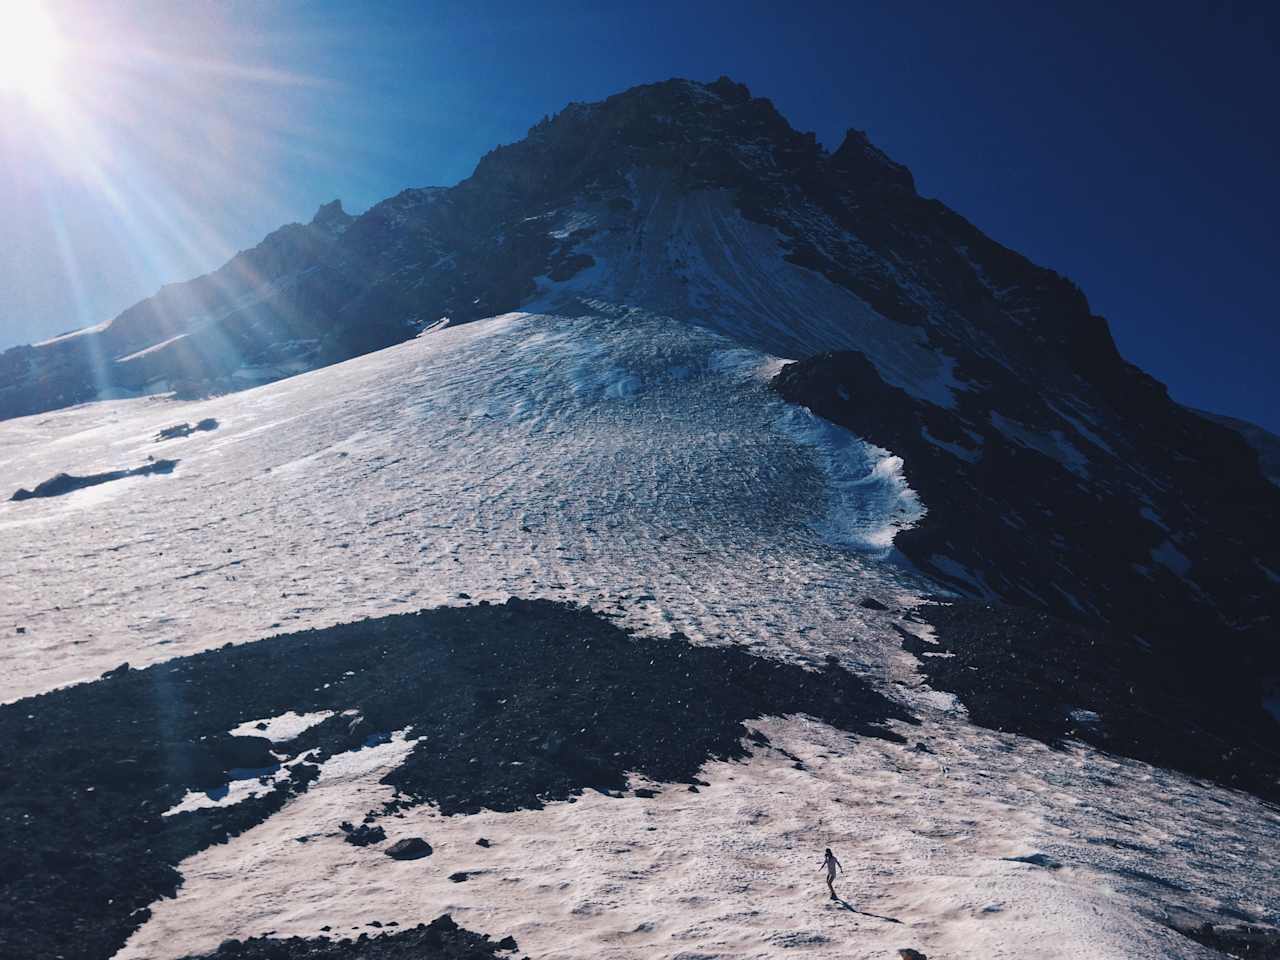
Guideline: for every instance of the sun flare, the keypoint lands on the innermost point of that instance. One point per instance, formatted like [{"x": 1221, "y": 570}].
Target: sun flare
[{"x": 31, "y": 50}]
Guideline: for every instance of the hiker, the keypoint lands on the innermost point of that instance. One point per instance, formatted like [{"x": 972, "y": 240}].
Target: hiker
[{"x": 832, "y": 864}]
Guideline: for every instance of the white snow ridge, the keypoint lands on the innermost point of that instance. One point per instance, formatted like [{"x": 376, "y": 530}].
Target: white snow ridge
[{"x": 637, "y": 465}]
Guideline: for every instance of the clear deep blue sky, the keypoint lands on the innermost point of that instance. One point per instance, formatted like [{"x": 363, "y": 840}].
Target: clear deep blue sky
[{"x": 1134, "y": 151}]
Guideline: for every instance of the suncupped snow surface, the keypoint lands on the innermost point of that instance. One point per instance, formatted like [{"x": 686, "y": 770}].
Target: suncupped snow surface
[
  {"x": 641, "y": 467},
  {"x": 617, "y": 459}
]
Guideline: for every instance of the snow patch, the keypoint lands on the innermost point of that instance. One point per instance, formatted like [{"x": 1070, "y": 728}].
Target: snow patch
[
  {"x": 1084, "y": 431},
  {"x": 283, "y": 728},
  {"x": 1172, "y": 558},
  {"x": 243, "y": 785},
  {"x": 963, "y": 453},
  {"x": 1052, "y": 444},
  {"x": 1271, "y": 704},
  {"x": 956, "y": 571},
  {"x": 870, "y": 501},
  {"x": 1149, "y": 514}
]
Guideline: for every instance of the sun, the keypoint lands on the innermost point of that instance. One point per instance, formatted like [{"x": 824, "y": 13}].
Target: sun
[{"x": 31, "y": 51}]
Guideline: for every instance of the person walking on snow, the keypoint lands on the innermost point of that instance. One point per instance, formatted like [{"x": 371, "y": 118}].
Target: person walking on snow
[{"x": 832, "y": 864}]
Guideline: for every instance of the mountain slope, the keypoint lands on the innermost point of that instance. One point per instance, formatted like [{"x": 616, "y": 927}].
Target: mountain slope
[
  {"x": 567, "y": 379},
  {"x": 621, "y": 460},
  {"x": 1265, "y": 443},
  {"x": 1058, "y": 475},
  {"x": 658, "y": 175}
]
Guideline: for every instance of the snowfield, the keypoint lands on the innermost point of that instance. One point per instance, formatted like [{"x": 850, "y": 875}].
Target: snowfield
[
  {"x": 620, "y": 460},
  {"x": 734, "y": 870},
  {"x": 640, "y": 466}
]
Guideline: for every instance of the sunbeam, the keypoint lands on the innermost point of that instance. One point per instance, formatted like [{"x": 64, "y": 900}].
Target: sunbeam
[
  {"x": 31, "y": 52},
  {"x": 172, "y": 127}
]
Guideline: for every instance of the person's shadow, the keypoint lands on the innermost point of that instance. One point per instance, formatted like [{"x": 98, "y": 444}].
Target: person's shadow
[{"x": 848, "y": 906}]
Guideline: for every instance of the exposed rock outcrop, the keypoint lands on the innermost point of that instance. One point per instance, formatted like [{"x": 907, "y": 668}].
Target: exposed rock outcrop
[{"x": 64, "y": 483}]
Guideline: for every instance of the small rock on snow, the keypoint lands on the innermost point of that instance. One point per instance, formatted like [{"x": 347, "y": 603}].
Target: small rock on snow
[{"x": 411, "y": 848}]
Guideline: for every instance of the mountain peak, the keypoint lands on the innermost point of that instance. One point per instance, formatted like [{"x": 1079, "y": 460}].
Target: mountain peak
[
  {"x": 859, "y": 156},
  {"x": 714, "y": 134},
  {"x": 331, "y": 216}
]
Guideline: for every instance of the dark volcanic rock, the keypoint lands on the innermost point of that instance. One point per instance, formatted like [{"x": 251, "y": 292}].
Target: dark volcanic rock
[
  {"x": 1037, "y": 860},
  {"x": 1030, "y": 673},
  {"x": 65, "y": 483},
  {"x": 1087, "y": 538},
  {"x": 410, "y": 848},
  {"x": 442, "y": 939},
  {"x": 1248, "y": 941},
  {"x": 1098, "y": 501},
  {"x": 1264, "y": 443},
  {"x": 178, "y": 431},
  {"x": 248, "y": 753},
  {"x": 363, "y": 835},
  {"x": 568, "y": 695}
]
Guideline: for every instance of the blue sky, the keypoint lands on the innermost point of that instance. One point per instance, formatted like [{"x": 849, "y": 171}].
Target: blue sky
[{"x": 1133, "y": 150}]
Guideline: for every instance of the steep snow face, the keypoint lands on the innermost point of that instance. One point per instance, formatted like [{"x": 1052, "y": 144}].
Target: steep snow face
[
  {"x": 618, "y": 459},
  {"x": 693, "y": 255}
]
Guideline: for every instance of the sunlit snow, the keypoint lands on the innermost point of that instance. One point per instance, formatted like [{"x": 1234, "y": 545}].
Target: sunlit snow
[
  {"x": 641, "y": 466},
  {"x": 617, "y": 459}
]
